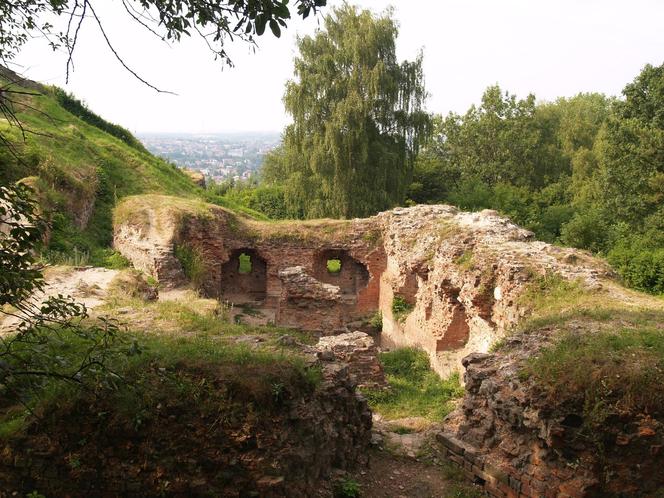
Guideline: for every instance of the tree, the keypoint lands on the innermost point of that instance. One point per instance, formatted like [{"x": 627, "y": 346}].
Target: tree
[
  {"x": 631, "y": 150},
  {"x": 358, "y": 119},
  {"x": 215, "y": 21},
  {"x": 30, "y": 354}
]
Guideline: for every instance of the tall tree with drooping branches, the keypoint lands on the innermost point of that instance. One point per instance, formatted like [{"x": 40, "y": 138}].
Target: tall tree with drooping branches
[{"x": 358, "y": 119}]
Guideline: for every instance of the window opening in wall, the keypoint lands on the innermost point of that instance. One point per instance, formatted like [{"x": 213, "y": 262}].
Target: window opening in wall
[
  {"x": 245, "y": 264},
  {"x": 333, "y": 265}
]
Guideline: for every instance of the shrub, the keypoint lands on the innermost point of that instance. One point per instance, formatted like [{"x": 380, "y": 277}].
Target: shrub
[
  {"x": 270, "y": 201},
  {"x": 640, "y": 269},
  {"x": 347, "y": 488},
  {"x": 333, "y": 265},
  {"x": 401, "y": 308},
  {"x": 586, "y": 230},
  {"x": 376, "y": 320}
]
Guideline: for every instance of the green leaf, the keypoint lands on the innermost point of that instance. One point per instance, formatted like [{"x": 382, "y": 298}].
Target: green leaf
[
  {"x": 274, "y": 26},
  {"x": 260, "y": 24}
]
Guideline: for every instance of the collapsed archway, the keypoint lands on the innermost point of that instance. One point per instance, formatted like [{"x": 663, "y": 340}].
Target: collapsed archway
[
  {"x": 338, "y": 267},
  {"x": 244, "y": 277}
]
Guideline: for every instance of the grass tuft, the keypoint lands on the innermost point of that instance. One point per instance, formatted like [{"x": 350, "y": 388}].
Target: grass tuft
[
  {"x": 193, "y": 263},
  {"x": 414, "y": 389},
  {"x": 401, "y": 308}
]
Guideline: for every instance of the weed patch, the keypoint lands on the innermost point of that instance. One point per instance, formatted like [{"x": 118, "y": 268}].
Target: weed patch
[
  {"x": 465, "y": 261},
  {"x": 414, "y": 389},
  {"x": 401, "y": 308},
  {"x": 193, "y": 263}
]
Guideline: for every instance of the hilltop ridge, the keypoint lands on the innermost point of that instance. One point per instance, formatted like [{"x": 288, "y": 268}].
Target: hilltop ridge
[{"x": 80, "y": 166}]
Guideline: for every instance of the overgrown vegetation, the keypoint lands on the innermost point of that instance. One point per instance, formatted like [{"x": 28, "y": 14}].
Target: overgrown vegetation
[
  {"x": 414, "y": 389},
  {"x": 401, "y": 308},
  {"x": 80, "y": 167},
  {"x": 193, "y": 263},
  {"x": 606, "y": 356},
  {"x": 626, "y": 364},
  {"x": 80, "y": 110},
  {"x": 585, "y": 171},
  {"x": 159, "y": 368},
  {"x": 32, "y": 358},
  {"x": 172, "y": 347}
]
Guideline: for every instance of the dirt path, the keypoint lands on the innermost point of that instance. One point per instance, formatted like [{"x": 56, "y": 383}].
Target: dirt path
[
  {"x": 87, "y": 285},
  {"x": 406, "y": 462},
  {"x": 392, "y": 476}
]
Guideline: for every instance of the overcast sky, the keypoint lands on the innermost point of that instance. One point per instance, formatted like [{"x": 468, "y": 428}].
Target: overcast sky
[{"x": 550, "y": 48}]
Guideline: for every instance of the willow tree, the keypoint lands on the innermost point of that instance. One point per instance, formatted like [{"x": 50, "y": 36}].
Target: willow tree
[{"x": 358, "y": 119}]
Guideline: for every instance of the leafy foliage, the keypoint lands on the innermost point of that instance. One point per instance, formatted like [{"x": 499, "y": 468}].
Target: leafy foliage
[
  {"x": 214, "y": 21},
  {"x": 401, "y": 308},
  {"x": 357, "y": 120},
  {"x": 28, "y": 356},
  {"x": 586, "y": 171},
  {"x": 21, "y": 230}
]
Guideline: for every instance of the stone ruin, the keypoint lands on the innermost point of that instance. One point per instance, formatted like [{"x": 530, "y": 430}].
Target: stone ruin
[
  {"x": 459, "y": 274},
  {"x": 458, "y": 279}
]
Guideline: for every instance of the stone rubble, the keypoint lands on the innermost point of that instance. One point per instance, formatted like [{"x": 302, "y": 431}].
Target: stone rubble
[{"x": 358, "y": 351}]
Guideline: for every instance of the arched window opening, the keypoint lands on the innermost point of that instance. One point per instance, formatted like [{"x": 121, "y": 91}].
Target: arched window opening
[
  {"x": 338, "y": 267},
  {"x": 244, "y": 277}
]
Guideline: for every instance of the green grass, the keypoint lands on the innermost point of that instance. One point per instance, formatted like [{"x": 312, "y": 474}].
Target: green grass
[
  {"x": 609, "y": 371},
  {"x": 193, "y": 263},
  {"x": 152, "y": 368},
  {"x": 193, "y": 316},
  {"x": 606, "y": 355},
  {"x": 414, "y": 389},
  {"x": 401, "y": 308},
  {"x": 75, "y": 157}
]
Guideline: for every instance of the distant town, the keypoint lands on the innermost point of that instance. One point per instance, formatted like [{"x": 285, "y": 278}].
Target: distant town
[{"x": 218, "y": 156}]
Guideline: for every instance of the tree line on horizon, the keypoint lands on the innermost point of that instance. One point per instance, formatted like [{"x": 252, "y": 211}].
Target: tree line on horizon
[{"x": 585, "y": 171}]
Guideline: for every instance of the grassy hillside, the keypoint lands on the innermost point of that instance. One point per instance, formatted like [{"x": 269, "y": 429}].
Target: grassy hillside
[{"x": 81, "y": 165}]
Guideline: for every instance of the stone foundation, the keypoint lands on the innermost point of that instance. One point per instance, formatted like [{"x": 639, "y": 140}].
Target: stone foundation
[{"x": 358, "y": 350}]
